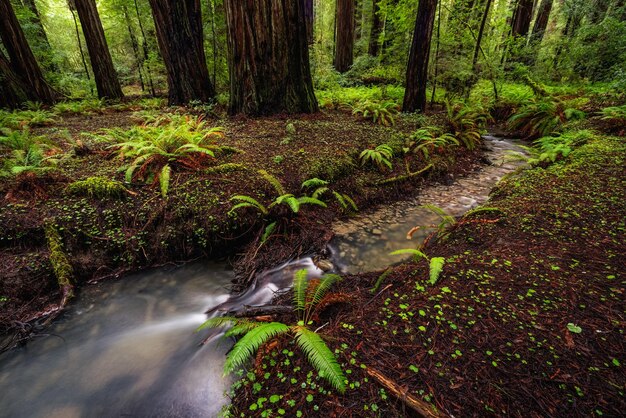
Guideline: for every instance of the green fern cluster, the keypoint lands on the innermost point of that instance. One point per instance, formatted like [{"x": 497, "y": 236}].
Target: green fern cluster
[
  {"x": 20, "y": 119},
  {"x": 320, "y": 188},
  {"x": 616, "y": 114},
  {"x": 77, "y": 107},
  {"x": 157, "y": 148},
  {"x": 380, "y": 156},
  {"x": 467, "y": 123},
  {"x": 307, "y": 296},
  {"x": 427, "y": 141},
  {"x": 550, "y": 149},
  {"x": 97, "y": 187},
  {"x": 542, "y": 117},
  {"x": 23, "y": 153},
  {"x": 381, "y": 113}
]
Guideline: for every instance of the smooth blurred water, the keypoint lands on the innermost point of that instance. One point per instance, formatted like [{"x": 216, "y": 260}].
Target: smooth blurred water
[{"x": 129, "y": 348}]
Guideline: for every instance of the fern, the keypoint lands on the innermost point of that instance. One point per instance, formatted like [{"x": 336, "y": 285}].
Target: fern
[
  {"x": 314, "y": 182},
  {"x": 164, "y": 179},
  {"x": 250, "y": 342},
  {"x": 380, "y": 156},
  {"x": 300, "y": 284},
  {"x": 268, "y": 232},
  {"x": 319, "y": 291},
  {"x": 273, "y": 181},
  {"x": 417, "y": 254},
  {"x": 247, "y": 201},
  {"x": 436, "y": 267},
  {"x": 320, "y": 356}
]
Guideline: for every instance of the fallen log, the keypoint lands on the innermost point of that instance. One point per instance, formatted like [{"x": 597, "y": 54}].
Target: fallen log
[{"x": 423, "y": 409}]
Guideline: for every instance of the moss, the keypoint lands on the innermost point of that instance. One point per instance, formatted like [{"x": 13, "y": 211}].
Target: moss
[
  {"x": 332, "y": 170},
  {"x": 60, "y": 262},
  {"x": 225, "y": 168},
  {"x": 98, "y": 187}
]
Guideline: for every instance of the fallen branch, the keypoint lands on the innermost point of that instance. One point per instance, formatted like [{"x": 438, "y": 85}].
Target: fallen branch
[
  {"x": 404, "y": 177},
  {"x": 423, "y": 409},
  {"x": 252, "y": 311}
]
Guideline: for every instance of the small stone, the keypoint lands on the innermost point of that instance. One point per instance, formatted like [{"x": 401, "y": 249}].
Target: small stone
[{"x": 377, "y": 231}]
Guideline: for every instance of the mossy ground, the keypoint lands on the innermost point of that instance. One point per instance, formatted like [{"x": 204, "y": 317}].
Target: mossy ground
[{"x": 527, "y": 318}]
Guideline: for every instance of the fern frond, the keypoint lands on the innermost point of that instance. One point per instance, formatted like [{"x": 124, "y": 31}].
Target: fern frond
[
  {"x": 321, "y": 358},
  {"x": 164, "y": 179},
  {"x": 288, "y": 199},
  {"x": 300, "y": 284},
  {"x": 247, "y": 202},
  {"x": 417, "y": 254},
  {"x": 325, "y": 283},
  {"x": 268, "y": 232},
  {"x": 314, "y": 182},
  {"x": 280, "y": 190},
  {"x": 305, "y": 200},
  {"x": 436, "y": 267},
  {"x": 250, "y": 343},
  {"x": 319, "y": 192},
  {"x": 243, "y": 327}
]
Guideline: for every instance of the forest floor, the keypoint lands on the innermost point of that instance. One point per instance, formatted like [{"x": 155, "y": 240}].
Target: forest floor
[{"x": 527, "y": 318}]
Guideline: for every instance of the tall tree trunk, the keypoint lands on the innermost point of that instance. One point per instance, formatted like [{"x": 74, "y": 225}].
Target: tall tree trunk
[
  {"x": 135, "y": 45},
  {"x": 541, "y": 22},
  {"x": 80, "y": 45},
  {"x": 344, "y": 45},
  {"x": 523, "y": 14},
  {"x": 268, "y": 57},
  {"x": 35, "y": 20},
  {"x": 13, "y": 90},
  {"x": 479, "y": 38},
  {"x": 21, "y": 58},
  {"x": 179, "y": 32},
  {"x": 417, "y": 68},
  {"x": 104, "y": 73},
  {"x": 310, "y": 20},
  {"x": 377, "y": 27},
  {"x": 144, "y": 47}
]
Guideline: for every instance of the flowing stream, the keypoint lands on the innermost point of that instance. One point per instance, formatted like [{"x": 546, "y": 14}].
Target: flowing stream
[{"x": 128, "y": 347}]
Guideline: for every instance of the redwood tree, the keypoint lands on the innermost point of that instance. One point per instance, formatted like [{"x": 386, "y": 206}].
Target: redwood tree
[
  {"x": 104, "y": 73},
  {"x": 541, "y": 22},
  {"x": 268, "y": 57},
  {"x": 417, "y": 69},
  {"x": 20, "y": 74},
  {"x": 377, "y": 27},
  {"x": 178, "y": 26},
  {"x": 523, "y": 14},
  {"x": 344, "y": 43}
]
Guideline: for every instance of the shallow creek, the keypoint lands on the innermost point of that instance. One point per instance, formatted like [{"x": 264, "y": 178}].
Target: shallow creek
[{"x": 128, "y": 347}]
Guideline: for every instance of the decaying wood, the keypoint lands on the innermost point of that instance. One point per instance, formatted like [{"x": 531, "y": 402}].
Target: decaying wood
[
  {"x": 403, "y": 177},
  {"x": 423, "y": 409},
  {"x": 254, "y": 311}
]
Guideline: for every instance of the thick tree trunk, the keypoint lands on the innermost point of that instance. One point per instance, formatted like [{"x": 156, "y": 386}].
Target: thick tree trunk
[
  {"x": 104, "y": 73},
  {"x": 268, "y": 57},
  {"x": 541, "y": 23},
  {"x": 377, "y": 27},
  {"x": 523, "y": 14},
  {"x": 417, "y": 68},
  {"x": 13, "y": 90},
  {"x": 21, "y": 59},
  {"x": 344, "y": 48},
  {"x": 179, "y": 32},
  {"x": 310, "y": 20}
]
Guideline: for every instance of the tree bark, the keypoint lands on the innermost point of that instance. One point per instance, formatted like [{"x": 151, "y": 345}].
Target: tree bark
[
  {"x": 479, "y": 38},
  {"x": 268, "y": 57},
  {"x": 178, "y": 26},
  {"x": 310, "y": 20},
  {"x": 104, "y": 73},
  {"x": 13, "y": 90},
  {"x": 344, "y": 49},
  {"x": 523, "y": 14},
  {"x": 21, "y": 60},
  {"x": 541, "y": 23},
  {"x": 377, "y": 27},
  {"x": 417, "y": 68}
]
